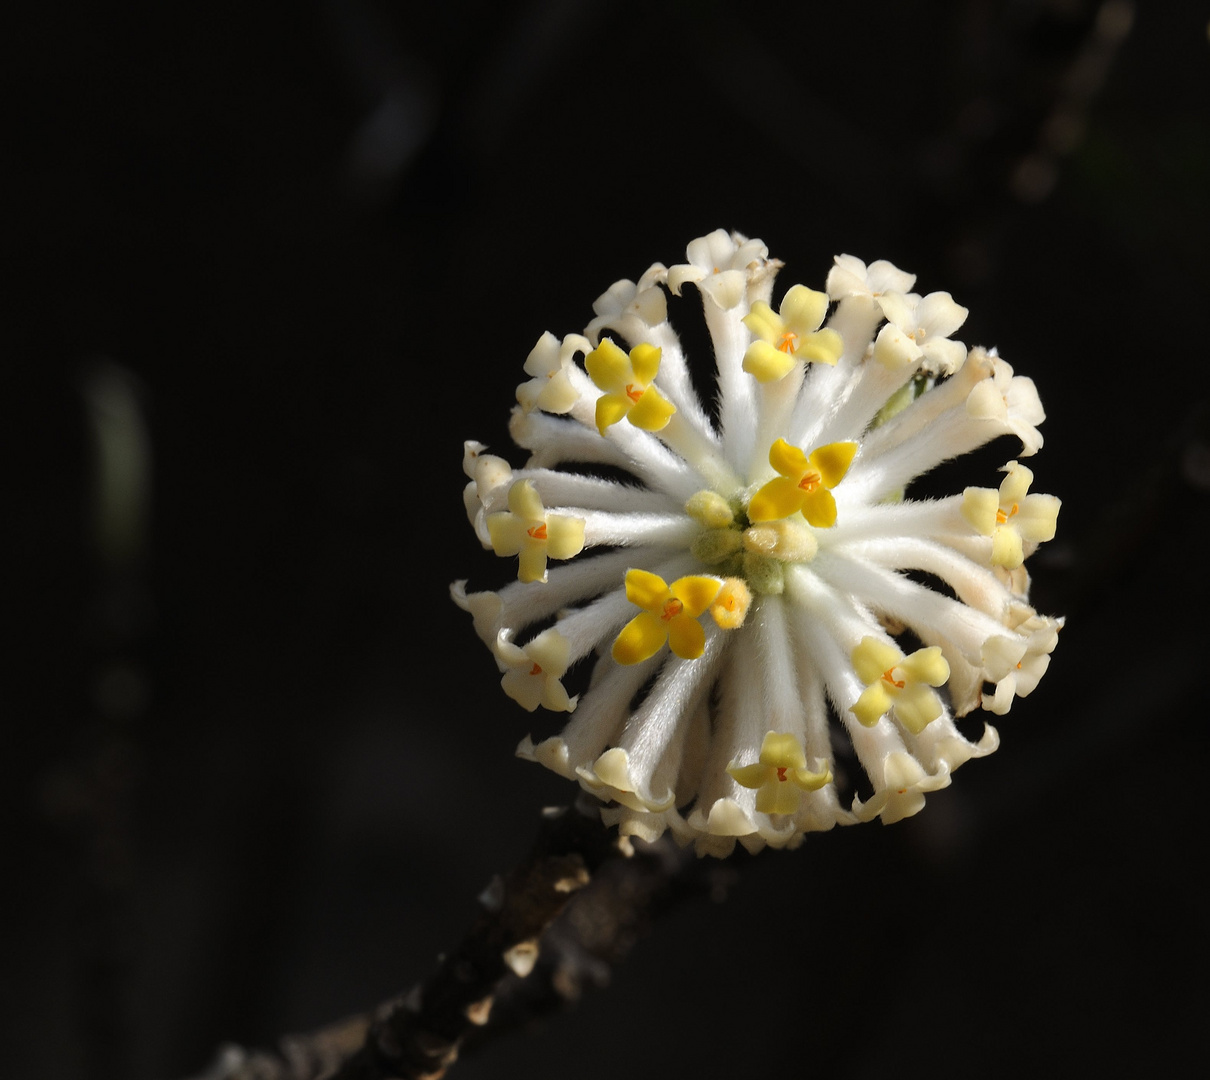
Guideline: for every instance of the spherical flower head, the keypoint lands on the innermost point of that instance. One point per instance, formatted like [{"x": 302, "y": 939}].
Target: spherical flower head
[{"x": 747, "y": 584}]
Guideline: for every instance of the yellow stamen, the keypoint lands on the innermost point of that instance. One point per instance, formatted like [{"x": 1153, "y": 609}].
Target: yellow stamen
[{"x": 1002, "y": 517}]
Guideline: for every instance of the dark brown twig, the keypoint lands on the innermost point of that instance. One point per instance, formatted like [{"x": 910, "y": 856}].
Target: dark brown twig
[{"x": 420, "y": 1034}]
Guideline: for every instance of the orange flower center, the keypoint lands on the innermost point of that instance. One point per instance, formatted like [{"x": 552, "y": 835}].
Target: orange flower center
[
  {"x": 672, "y": 608},
  {"x": 535, "y": 670},
  {"x": 889, "y": 676},
  {"x": 633, "y": 392},
  {"x": 538, "y": 532},
  {"x": 787, "y": 342},
  {"x": 1002, "y": 517},
  {"x": 781, "y": 773},
  {"x": 810, "y": 481}
]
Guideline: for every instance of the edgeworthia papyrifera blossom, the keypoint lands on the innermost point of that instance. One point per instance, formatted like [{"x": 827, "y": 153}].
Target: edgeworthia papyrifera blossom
[{"x": 766, "y": 659}]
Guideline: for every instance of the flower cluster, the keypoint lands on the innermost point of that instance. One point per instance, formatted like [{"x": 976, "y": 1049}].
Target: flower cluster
[{"x": 748, "y": 585}]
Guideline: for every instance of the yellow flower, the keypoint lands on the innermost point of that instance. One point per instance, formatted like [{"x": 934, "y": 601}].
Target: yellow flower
[
  {"x": 902, "y": 683},
  {"x": 790, "y": 334},
  {"x": 1011, "y": 517},
  {"x": 626, "y": 381},
  {"x": 780, "y": 776},
  {"x": 670, "y": 613},
  {"x": 804, "y": 483},
  {"x": 527, "y": 530}
]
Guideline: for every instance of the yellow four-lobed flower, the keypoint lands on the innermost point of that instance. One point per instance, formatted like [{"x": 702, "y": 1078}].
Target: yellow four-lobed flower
[
  {"x": 670, "y": 614},
  {"x": 626, "y": 380},
  {"x": 789, "y": 335},
  {"x": 902, "y": 683},
  {"x": 1010, "y": 516},
  {"x": 780, "y": 775},
  {"x": 527, "y": 530},
  {"x": 804, "y": 483}
]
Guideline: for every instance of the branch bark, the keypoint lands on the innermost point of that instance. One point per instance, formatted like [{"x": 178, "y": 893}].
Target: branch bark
[{"x": 520, "y": 961}]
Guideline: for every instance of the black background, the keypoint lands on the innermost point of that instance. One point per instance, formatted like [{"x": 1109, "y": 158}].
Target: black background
[{"x": 258, "y": 767}]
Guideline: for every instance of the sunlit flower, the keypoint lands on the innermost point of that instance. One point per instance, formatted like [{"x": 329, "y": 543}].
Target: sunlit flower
[
  {"x": 626, "y": 381},
  {"x": 858, "y": 289},
  {"x": 784, "y": 642},
  {"x": 791, "y": 333},
  {"x": 488, "y": 474},
  {"x": 805, "y": 483},
  {"x": 850, "y": 278},
  {"x": 917, "y": 332},
  {"x": 633, "y": 309},
  {"x": 670, "y": 614}
]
